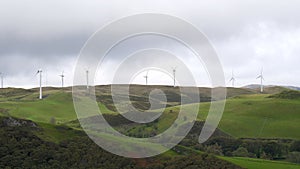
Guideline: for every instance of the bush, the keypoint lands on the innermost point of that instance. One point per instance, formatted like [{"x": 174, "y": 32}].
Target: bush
[
  {"x": 214, "y": 149},
  {"x": 241, "y": 152},
  {"x": 295, "y": 146},
  {"x": 294, "y": 157},
  {"x": 53, "y": 120}
]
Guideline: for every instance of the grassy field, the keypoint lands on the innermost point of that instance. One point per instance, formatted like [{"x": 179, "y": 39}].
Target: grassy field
[
  {"x": 57, "y": 105},
  {"x": 257, "y": 116},
  {"x": 251, "y": 163},
  {"x": 246, "y": 115}
]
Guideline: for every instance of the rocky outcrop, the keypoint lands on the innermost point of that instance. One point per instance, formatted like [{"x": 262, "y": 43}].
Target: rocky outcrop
[{"x": 12, "y": 122}]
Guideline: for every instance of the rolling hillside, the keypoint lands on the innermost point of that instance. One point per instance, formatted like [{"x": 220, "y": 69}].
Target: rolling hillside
[
  {"x": 259, "y": 116},
  {"x": 247, "y": 114},
  {"x": 268, "y": 117}
]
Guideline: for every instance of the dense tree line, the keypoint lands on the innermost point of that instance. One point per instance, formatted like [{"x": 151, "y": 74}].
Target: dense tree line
[
  {"x": 21, "y": 148},
  {"x": 225, "y": 145},
  {"x": 275, "y": 149}
]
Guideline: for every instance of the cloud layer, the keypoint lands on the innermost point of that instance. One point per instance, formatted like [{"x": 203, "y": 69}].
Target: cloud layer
[{"x": 247, "y": 35}]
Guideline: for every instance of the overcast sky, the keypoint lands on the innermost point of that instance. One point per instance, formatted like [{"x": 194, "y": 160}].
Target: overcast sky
[{"x": 247, "y": 36}]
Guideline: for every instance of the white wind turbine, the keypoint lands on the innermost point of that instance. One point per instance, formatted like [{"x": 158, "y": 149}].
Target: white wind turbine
[
  {"x": 261, "y": 77},
  {"x": 41, "y": 90},
  {"x": 1, "y": 75},
  {"x": 232, "y": 79},
  {"x": 62, "y": 79},
  {"x": 146, "y": 77},
  {"x": 87, "y": 79},
  {"x": 174, "y": 76}
]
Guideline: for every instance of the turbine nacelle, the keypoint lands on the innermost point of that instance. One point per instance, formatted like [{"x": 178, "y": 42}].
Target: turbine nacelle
[{"x": 39, "y": 71}]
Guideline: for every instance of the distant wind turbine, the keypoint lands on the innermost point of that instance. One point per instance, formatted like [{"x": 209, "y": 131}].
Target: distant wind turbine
[
  {"x": 62, "y": 79},
  {"x": 261, "y": 77},
  {"x": 41, "y": 90},
  {"x": 146, "y": 77},
  {"x": 232, "y": 79},
  {"x": 87, "y": 79},
  {"x": 174, "y": 75}
]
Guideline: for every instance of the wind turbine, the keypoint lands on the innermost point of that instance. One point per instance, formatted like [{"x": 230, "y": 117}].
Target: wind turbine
[
  {"x": 41, "y": 90},
  {"x": 232, "y": 79},
  {"x": 1, "y": 75},
  {"x": 261, "y": 77},
  {"x": 87, "y": 79},
  {"x": 62, "y": 79},
  {"x": 174, "y": 75},
  {"x": 146, "y": 77}
]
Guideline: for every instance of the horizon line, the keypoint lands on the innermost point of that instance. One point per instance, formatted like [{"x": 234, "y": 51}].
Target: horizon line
[{"x": 245, "y": 86}]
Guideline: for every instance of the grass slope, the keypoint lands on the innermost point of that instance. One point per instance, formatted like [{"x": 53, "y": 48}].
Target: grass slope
[
  {"x": 251, "y": 163},
  {"x": 257, "y": 116},
  {"x": 58, "y": 105},
  {"x": 246, "y": 115}
]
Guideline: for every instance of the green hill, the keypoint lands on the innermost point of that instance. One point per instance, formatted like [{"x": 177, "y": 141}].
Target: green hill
[
  {"x": 258, "y": 116},
  {"x": 246, "y": 114},
  {"x": 272, "y": 116},
  {"x": 287, "y": 94}
]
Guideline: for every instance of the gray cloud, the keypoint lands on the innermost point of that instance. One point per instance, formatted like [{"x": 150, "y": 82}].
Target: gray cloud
[
  {"x": 42, "y": 48},
  {"x": 247, "y": 34}
]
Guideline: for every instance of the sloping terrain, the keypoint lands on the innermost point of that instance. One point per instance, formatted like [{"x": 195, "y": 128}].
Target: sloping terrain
[
  {"x": 270, "y": 119},
  {"x": 288, "y": 94},
  {"x": 246, "y": 114},
  {"x": 258, "y": 116}
]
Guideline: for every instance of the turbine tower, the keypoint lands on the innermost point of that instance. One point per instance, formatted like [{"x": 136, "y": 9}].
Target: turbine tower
[
  {"x": 1, "y": 75},
  {"x": 41, "y": 90},
  {"x": 261, "y": 77},
  {"x": 87, "y": 79},
  {"x": 62, "y": 79},
  {"x": 232, "y": 79},
  {"x": 146, "y": 77},
  {"x": 174, "y": 76}
]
